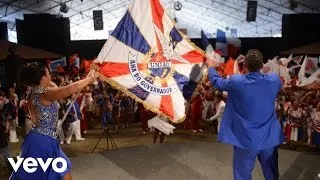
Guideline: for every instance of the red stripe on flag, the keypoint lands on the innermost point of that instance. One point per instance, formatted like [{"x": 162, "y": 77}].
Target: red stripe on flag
[
  {"x": 166, "y": 104},
  {"x": 193, "y": 57},
  {"x": 157, "y": 13},
  {"x": 159, "y": 45},
  {"x": 114, "y": 69}
]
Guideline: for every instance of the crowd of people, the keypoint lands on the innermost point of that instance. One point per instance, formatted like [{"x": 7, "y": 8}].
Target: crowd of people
[{"x": 298, "y": 112}]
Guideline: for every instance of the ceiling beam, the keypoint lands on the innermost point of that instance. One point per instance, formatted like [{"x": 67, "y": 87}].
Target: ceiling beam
[
  {"x": 224, "y": 13},
  {"x": 88, "y": 9},
  {"x": 304, "y": 6},
  {"x": 7, "y": 3},
  {"x": 21, "y": 8},
  {"x": 224, "y": 3},
  {"x": 107, "y": 10}
]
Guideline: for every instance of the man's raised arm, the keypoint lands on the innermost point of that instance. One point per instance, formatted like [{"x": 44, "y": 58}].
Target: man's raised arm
[{"x": 217, "y": 81}]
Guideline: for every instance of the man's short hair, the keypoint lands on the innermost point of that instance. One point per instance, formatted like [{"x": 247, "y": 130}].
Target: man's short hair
[{"x": 254, "y": 60}]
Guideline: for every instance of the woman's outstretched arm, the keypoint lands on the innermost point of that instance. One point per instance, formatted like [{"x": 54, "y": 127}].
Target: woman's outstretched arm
[{"x": 58, "y": 93}]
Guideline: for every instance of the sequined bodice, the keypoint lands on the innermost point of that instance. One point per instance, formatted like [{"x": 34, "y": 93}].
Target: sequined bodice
[{"x": 47, "y": 116}]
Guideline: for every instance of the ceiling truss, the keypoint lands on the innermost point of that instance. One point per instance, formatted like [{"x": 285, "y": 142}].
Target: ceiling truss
[{"x": 195, "y": 15}]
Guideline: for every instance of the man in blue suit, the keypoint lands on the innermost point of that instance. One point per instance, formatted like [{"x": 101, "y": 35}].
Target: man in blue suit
[{"x": 249, "y": 122}]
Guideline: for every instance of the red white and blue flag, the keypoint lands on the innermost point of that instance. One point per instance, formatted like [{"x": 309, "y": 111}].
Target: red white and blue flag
[
  {"x": 221, "y": 42},
  {"x": 55, "y": 65},
  {"x": 147, "y": 58}
]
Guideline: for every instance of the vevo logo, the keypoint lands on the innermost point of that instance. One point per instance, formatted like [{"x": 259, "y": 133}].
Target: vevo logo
[{"x": 30, "y": 164}]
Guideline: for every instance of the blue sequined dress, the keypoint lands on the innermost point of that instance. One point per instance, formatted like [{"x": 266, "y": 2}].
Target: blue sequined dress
[{"x": 41, "y": 141}]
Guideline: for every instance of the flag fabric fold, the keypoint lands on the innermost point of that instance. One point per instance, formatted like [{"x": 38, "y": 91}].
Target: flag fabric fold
[
  {"x": 209, "y": 49},
  {"x": 308, "y": 65},
  {"x": 275, "y": 66},
  {"x": 221, "y": 42},
  {"x": 150, "y": 60},
  {"x": 297, "y": 59}
]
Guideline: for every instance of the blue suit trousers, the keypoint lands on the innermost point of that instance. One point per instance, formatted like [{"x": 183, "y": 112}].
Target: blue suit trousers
[{"x": 244, "y": 161}]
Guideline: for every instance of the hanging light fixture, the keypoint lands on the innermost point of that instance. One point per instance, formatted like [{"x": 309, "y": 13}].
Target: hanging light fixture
[
  {"x": 64, "y": 8},
  {"x": 177, "y": 5},
  {"x": 293, "y": 4}
]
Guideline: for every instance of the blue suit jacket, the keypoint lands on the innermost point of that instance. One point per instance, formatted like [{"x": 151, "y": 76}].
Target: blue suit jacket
[{"x": 249, "y": 119}]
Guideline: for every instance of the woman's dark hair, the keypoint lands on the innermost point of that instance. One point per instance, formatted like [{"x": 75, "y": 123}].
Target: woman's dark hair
[{"x": 33, "y": 73}]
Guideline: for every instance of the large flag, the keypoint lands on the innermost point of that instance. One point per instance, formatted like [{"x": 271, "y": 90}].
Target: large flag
[
  {"x": 209, "y": 49},
  {"x": 221, "y": 42},
  {"x": 206, "y": 44},
  {"x": 147, "y": 58}
]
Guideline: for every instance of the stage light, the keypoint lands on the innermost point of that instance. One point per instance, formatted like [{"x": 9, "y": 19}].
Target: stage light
[
  {"x": 64, "y": 8},
  {"x": 293, "y": 4},
  {"x": 177, "y": 6}
]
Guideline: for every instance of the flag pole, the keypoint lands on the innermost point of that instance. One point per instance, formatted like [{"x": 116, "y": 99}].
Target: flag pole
[{"x": 69, "y": 108}]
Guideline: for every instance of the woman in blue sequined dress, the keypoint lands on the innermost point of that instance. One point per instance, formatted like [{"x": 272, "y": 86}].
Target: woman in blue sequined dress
[{"x": 41, "y": 141}]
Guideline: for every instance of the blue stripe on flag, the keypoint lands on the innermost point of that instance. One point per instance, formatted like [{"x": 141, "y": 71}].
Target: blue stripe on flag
[
  {"x": 221, "y": 37},
  {"x": 186, "y": 85},
  {"x": 139, "y": 92},
  {"x": 175, "y": 35},
  {"x": 204, "y": 40},
  {"x": 128, "y": 33}
]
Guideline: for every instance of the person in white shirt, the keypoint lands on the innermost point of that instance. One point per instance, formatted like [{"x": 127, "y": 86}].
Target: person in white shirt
[
  {"x": 219, "y": 107},
  {"x": 74, "y": 121},
  {"x": 16, "y": 99}
]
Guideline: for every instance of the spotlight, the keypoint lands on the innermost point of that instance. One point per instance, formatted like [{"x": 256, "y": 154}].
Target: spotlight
[
  {"x": 293, "y": 4},
  {"x": 177, "y": 6},
  {"x": 64, "y": 8}
]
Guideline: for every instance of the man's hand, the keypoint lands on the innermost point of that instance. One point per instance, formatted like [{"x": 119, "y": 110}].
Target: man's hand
[{"x": 211, "y": 62}]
